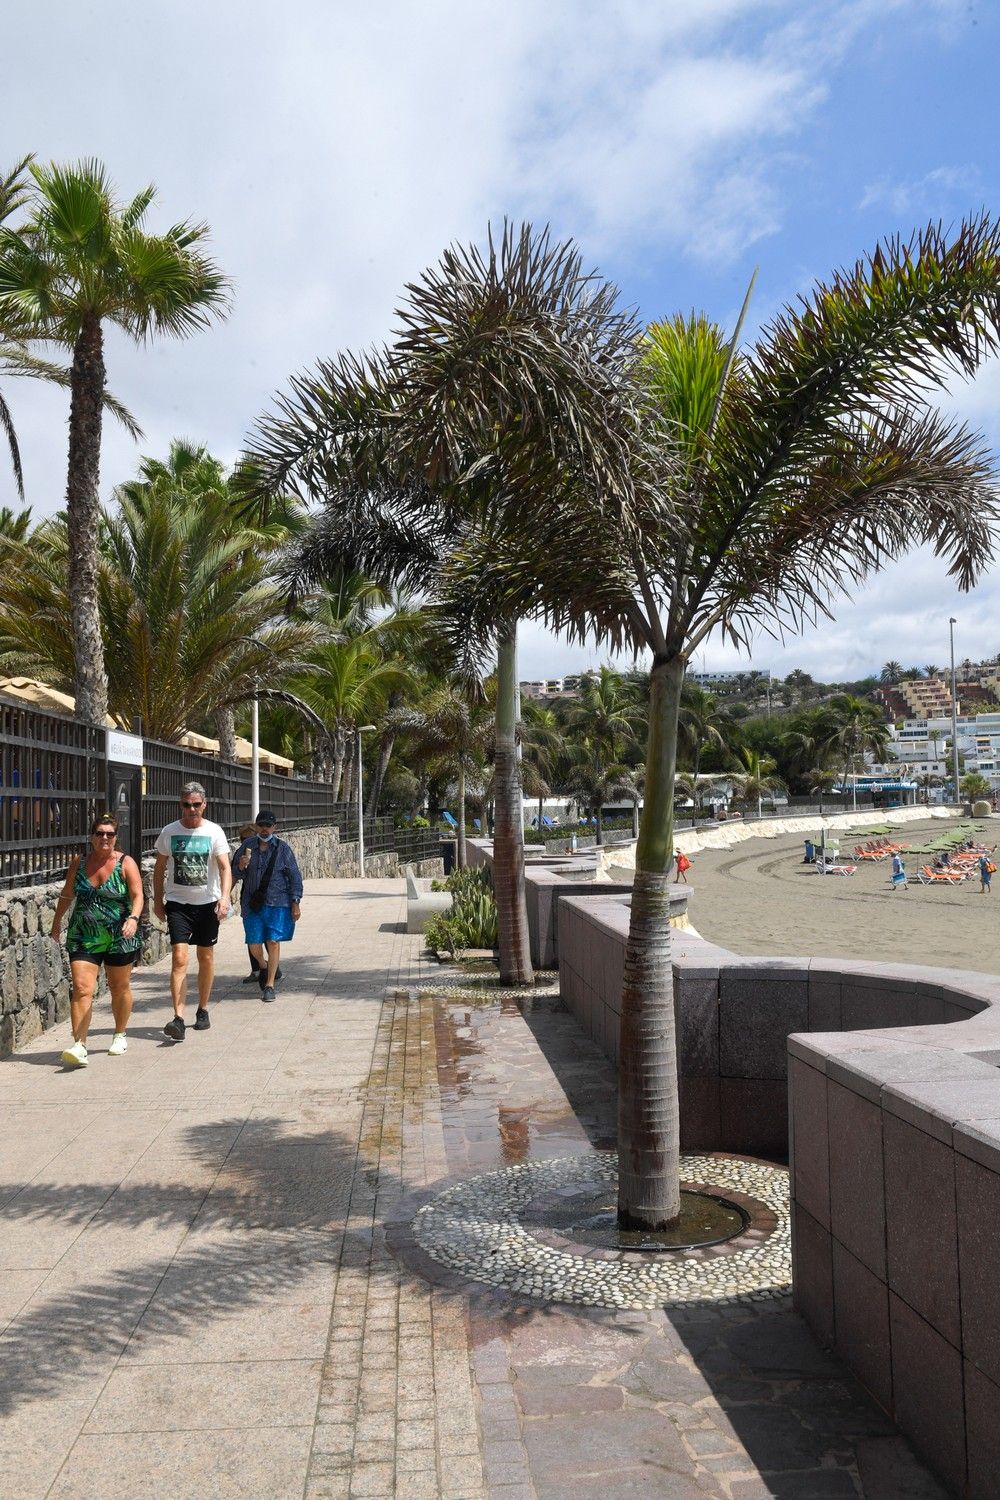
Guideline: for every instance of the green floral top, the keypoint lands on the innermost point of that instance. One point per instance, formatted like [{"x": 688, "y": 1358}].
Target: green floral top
[{"x": 99, "y": 913}]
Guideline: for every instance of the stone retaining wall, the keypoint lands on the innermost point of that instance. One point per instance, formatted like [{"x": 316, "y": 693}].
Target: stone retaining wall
[{"x": 34, "y": 971}]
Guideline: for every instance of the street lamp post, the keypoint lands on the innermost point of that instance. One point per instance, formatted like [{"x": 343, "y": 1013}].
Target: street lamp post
[
  {"x": 362, "y": 729},
  {"x": 254, "y": 756},
  {"x": 954, "y": 710}
]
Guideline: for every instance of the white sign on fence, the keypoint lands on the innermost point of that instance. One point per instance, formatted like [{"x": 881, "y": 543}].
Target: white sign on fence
[{"x": 125, "y": 749}]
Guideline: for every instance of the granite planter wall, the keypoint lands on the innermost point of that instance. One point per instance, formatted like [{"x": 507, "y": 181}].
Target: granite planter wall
[
  {"x": 889, "y": 1074},
  {"x": 34, "y": 971}
]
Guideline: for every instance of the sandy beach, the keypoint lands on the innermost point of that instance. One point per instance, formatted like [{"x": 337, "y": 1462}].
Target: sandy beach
[{"x": 759, "y": 898}]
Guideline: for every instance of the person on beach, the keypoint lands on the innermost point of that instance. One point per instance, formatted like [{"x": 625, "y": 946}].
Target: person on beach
[
  {"x": 191, "y": 884},
  {"x": 683, "y": 865},
  {"x": 986, "y": 868},
  {"x": 898, "y": 873},
  {"x": 106, "y": 887},
  {"x": 272, "y": 896}
]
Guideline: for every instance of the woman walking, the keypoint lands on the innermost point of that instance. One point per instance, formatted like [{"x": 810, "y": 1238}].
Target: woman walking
[{"x": 107, "y": 890}]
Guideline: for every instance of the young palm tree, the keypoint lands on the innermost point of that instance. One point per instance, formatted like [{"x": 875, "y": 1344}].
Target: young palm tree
[
  {"x": 455, "y": 731},
  {"x": 798, "y": 467},
  {"x": 79, "y": 261},
  {"x": 757, "y": 780},
  {"x": 542, "y": 747},
  {"x": 190, "y": 619},
  {"x": 701, "y": 723}
]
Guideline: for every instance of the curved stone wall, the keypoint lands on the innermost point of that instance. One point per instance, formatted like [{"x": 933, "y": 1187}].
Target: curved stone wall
[{"x": 890, "y": 1075}]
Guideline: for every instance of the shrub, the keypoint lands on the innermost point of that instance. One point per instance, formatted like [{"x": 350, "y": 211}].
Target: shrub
[{"x": 472, "y": 921}]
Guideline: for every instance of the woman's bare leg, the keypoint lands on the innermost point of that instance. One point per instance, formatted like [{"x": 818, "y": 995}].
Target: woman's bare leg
[
  {"x": 81, "y": 1005},
  {"x": 120, "y": 984}
]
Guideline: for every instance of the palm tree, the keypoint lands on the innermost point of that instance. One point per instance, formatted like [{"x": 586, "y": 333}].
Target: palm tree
[
  {"x": 757, "y": 780},
  {"x": 451, "y": 730},
  {"x": 80, "y": 261},
  {"x": 503, "y": 382},
  {"x": 931, "y": 671},
  {"x": 891, "y": 673},
  {"x": 542, "y": 746},
  {"x": 701, "y": 723},
  {"x": 190, "y": 620},
  {"x": 791, "y": 472},
  {"x": 15, "y": 526},
  {"x": 854, "y": 726},
  {"x": 190, "y": 476}
]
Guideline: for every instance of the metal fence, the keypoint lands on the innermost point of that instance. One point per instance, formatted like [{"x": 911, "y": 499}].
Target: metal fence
[{"x": 54, "y": 780}]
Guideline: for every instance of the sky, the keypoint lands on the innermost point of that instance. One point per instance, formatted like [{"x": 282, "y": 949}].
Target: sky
[{"x": 336, "y": 148}]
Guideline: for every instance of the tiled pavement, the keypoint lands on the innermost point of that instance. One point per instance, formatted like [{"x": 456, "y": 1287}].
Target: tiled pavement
[{"x": 207, "y": 1289}]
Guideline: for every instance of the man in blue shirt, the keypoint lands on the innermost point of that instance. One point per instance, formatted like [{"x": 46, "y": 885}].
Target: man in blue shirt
[{"x": 272, "y": 895}]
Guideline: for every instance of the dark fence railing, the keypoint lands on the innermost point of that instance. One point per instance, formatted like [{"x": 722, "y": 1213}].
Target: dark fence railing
[{"x": 54, "y": 780}]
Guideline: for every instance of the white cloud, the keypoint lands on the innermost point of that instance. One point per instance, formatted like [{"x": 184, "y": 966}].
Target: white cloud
[
  {"x": 934, "y": 195},
  {"x": 336, "y": 149}
]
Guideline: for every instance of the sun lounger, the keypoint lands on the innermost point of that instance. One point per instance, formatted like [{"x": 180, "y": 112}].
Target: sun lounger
[
  {"x": 927, "y": 876},
  {"x": 873, "y": 855},
  {"x": 826, "y": 868}
]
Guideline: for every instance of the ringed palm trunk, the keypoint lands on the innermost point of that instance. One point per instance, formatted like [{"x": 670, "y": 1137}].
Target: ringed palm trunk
[
  {"x": 460, "y": 831},
  {"x": 225, "y": 729},
  {"x": 600, "y": 824},
  {"x": 648, "y": 1107},
  {"x": 87, "y": 378},
  {"x": 508, "y": 837}
]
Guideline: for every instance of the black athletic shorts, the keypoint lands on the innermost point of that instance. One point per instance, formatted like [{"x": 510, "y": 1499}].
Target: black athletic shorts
[
  {"x": 187, "y": 923},
  {"x": 109, "y": 960}
]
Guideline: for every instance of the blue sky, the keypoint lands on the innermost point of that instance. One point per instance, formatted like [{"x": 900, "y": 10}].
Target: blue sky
[{"x": 335, "y": 150}]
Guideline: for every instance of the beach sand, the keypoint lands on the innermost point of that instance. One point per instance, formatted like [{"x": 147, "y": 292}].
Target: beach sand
[{"x": 758, "y": 898}]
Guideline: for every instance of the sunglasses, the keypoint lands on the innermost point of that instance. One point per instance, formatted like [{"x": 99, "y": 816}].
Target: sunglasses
[
  {"x": 102, "y": 835},
  {"x": 192, "y": 804}
]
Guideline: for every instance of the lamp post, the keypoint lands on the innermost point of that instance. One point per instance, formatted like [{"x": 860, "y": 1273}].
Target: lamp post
[
  {"x": 361, "y": 729},
  {"x": 255, "y": 756},
  {"x": 954, "y": 709}
]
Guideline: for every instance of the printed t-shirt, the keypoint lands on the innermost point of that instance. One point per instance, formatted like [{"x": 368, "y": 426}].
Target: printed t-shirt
[{"x": 192, "y": 874}]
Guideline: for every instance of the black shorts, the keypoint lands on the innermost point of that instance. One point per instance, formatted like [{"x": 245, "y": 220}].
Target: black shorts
[
  {"x": 187, "y": 923},
  {"x": 109, "y": 960}
]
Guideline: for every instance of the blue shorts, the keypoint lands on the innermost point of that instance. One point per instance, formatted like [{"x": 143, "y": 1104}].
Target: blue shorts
[{"x": 272, "y": 924}]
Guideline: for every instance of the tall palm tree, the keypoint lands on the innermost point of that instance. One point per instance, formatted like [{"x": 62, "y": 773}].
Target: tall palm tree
[
  {"x": 504, "y": 381},
  {"x": 795, "y": 469},
  {"x": 79, "y": 261},
  {"x": 931, "y": 671},
  {"x": 542, "y": 746},
  {"x": 891, "y": 673}
]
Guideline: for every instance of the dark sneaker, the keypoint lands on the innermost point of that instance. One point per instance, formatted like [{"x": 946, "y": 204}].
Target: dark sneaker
[
  {"x": 268, "y": 994},
  {"x": 201, "y": 1020},
  {"x": 261, "y": 976},
  {"x": 251, "y": 978},
  {"x": 175, "y": 1029}
]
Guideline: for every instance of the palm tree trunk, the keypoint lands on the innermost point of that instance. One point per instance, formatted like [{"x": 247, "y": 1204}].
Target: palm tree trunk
[
  {"x": 460, "y": 830},
  {"x": 508, "y": 839},
  {"x": 635, "y": 819},
  {"x": 338, "y": 761},
  {"x": 599, "y": 810},
  {"x": 90, "y": 683},
  {"x": 648, "y": 1106},
  {"x": 225, "y": 730}
]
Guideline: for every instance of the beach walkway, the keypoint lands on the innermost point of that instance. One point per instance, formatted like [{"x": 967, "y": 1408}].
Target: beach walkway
[{"x": 209, "y": 1286}]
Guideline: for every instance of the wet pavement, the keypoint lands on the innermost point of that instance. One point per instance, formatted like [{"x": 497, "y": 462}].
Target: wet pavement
[{"x": 209, "y": 1282}]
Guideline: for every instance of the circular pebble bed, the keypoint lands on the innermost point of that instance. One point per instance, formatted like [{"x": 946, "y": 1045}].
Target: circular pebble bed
[{"x": 483, "y": 1229}]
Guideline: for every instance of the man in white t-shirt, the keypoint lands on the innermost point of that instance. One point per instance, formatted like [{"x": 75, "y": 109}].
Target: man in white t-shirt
[{"x": 192, "y": 879}]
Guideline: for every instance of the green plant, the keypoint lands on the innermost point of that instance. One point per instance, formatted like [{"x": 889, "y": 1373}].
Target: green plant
[{"x": 472, "y": 921}]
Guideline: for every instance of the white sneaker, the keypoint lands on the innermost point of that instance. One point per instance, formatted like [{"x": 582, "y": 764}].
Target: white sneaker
[
  {"x": 75, "y": 1056},
  {"x": 119, "y": 1044}
]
